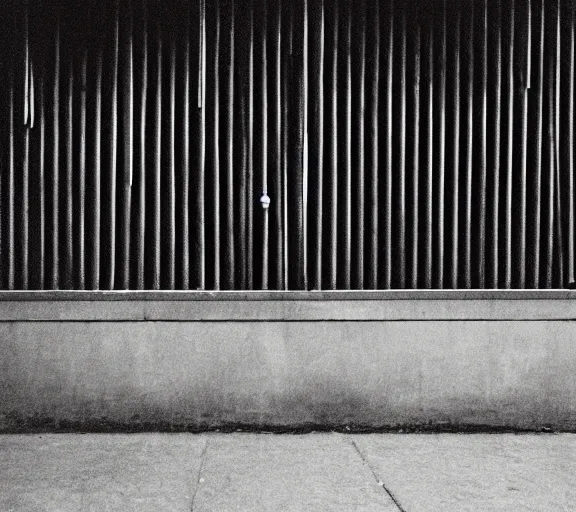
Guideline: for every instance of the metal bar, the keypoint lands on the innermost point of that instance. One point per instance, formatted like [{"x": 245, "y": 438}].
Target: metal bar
[
  {"x": 528, "y": 49},
  {"x": 469, "y": 158},
  {"x": 416, "y": 156},
  {"x": 332, "y": 166},
  {"x": 496, "y": 145},
  {"x": 569, "y": 142},
  {"x": 402, "y": 162},
  {"x": 286, "y": 70},
  {"x": 82, "y": 178},
  {"x": 97, "y": 184},
  {"x": 230, "y": 212},
  {"x": 55, "y": 278},
  {"x": 142, "y": 217},
  {"x": 537, "y": 199},
  {"x": 26, "y": 64},
  {"x": 264, "y": 143},
  {"x": 374, "y": 74},
  {"x": 157, "y": 211},
  {"x": 305, "y": 145},
  {"x": 11, "y": 188},
  {"x": 200, "y": 188},
  {"x": 456, "y": 153},
  {"x": 277, "y": 150},
  {"x": 242, "y": 194},
  {"x": 128, "y": 119},
  {"x": 185, "y": 170},
  {"x": 69, "y": 254},
  {"x": 551, "y": 186},
  {"x": 556, "y": 180},
  {"x": 388, "y": 170},
  {"x": 113, "y": 157},
  {"x": 250, "y": 159},
  {"x": 216, "y": 147},
  {"x": 507, "y": 281},
  {"x": 483, "y": 144},
  {"x": 42, "y": 186},
  {"x": 25, "y": 205},
  {"x": 32, "y": 98},
  {"x": 347, "y": 91},
  {"x": 171, "y": 177},
  {"x": 429, "y": 226}
]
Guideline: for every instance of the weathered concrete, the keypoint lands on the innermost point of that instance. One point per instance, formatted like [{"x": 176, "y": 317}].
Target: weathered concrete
[
  {"x": 312, "y": 473},
  {"x": 500, "y": 361}
]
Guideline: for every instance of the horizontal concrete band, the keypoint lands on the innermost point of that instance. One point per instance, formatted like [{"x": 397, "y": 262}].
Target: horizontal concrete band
[{"x": 513, "y": 305}]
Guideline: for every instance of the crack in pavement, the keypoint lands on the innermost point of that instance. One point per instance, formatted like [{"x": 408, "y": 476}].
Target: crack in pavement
[
  {"x": 199, "y": 475},
  {"x": 377, "y": 478}
]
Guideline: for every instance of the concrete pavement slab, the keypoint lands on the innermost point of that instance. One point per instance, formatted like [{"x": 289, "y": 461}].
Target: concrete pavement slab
[
  {"x": 311, "y": 473},
  {"x": 487, "y": 473},
  {"x": 100, "y": 472}
]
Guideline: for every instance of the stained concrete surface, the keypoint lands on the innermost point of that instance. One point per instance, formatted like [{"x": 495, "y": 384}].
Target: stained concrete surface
[{"x": 264, "y": 472}]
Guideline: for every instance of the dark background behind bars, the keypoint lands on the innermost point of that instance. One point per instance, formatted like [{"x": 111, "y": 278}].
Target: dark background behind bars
[{"x": 407, "y": 145}]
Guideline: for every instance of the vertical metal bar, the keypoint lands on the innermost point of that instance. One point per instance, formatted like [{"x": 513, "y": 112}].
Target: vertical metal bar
[
  {"x": 456, "y": 152},
  {"x": 42, "y": 185},
  {"x": 333, "y": 154},
  {"x": 416, "y": 156},
  {"x": 348, "y": 152},
  {"x": 230, "y": 212},
  {"x": 528, "y": 49},
  {"x": 26, "y": 64},
  {"x": 69, "y": 261},
  {"x": 430, "y": 163},
  {"x": 537, "y": 199},
  {"x": 250, "y": 162},
  {"x": 388, "y": 170},
  {"x": 200, "y": 194},
  {"x": 483, "y": 144},
  {"x": 551, "y": 199},
  {"x": 286, "y": 71},
  {"x": 242, "y": 199},
  {"x": 555, "y": 180},
  {"x": 264, "y": 142},
  {"x": 96, "y": 202},
  {"x": 277, "y": 112},
  {"x": 171, "y": 176},
  {"x": 185, "y": 172},
  {"x": 522, "y": 208},
  {"x": 141, "y": 234},
  {"x": 32, "y": 98},
  {"x": 113, "y": 156},
  {"x": 128, "y": 118},
  {"x": 469, "y": 157},
  {"x": 496, "y": 145},
  {"x": 216, "y": 147},
  {"x": 305, "y": 159},
  {"x": 509, "y": 151},
  {"x": 157, "y": 212},
  {"x": 24, "y": 227},
  {"x": 55, "y": 278},
  {"x": 569, "y": 141},
  {"x": 441, "y": 153},
  {"x": 11, "y": 188},
  {"x": 402, "y": 162},
  {"x": 82, "y": 178},
  {"x": 374, "y": 74}
]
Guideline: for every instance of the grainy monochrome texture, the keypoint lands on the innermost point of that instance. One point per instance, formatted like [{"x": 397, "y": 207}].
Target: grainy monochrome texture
[{"x": 269, "y": 144}]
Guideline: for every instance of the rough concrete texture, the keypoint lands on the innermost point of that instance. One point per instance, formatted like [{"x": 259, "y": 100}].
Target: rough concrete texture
[
  {"x": 187, "y": 375},
  {"x": 316, "y": 472}
]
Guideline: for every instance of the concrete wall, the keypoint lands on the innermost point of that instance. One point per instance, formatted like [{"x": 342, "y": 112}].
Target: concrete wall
[{"x": 97, "y": 361}]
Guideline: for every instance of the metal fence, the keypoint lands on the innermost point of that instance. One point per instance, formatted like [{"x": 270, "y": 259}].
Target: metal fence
[{"x": 400, "y": 145}]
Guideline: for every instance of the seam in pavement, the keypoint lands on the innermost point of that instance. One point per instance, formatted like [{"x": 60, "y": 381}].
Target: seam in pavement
[
  {"x": 377, "y": 478},
  {"x": 202, "y": 461}
]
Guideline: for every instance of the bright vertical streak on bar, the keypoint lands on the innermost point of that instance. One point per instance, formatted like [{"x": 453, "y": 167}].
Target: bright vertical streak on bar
[
  {"x": 278, "y": 153},
  {"x": 230, "y": 261},
  {"x": 483, "y": 136},
  {"x": 69, "y": 279},
  {"x": 402, "y": 162},
  {"x": 171, "y": 178},
  {"x": 42, "y": 183},
  {"x": 456, "y": 151},
  {"x": 430, "y": 163},
  {"x": 185, "y": 173},
  {"x": 140, "y": 238},
  {"x": 264, "y": 142},
  {"x": 333, "y": 154},
  {"x": 55, "y": 162},
  {"x": 570, "y": 153},
  {"x": 250, "y": 159},
  {"x": 373, "y": 137},
  {"x": 388, "y": 165},
  {"x": 509, "y": 153},
  {"x": 113, "y": 154},
  {"x": 97, "y": 176},
  {"x": 200, "y": 196},
  {"x": 348, "y": 152},
  {"x": 496, "y": 143},
  {"x": 11, "y": 256},
  {"x": 528, "y": 48},
  {"x": 416, "y": 155},
  {"x": 469, "y": 158},
  {"x": 158, "y": 166},
  {"x": 441, "y": 152},
  {"x": 216, "y": 149},
  {"x": 128, "y": 94},
  {"x": 82, "y": 178}
]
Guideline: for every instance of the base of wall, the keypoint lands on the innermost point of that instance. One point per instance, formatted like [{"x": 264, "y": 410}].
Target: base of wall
[{"x": 101, "y": 362}]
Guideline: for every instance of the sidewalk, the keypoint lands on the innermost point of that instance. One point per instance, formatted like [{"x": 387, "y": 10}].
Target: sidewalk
[{"x": 265, "y": 472}]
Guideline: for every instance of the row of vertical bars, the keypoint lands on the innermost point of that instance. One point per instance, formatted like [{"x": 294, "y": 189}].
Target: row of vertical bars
[{"x": 401, "y": 144}]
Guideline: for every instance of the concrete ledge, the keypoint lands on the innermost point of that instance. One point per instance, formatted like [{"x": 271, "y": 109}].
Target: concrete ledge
[{"x": 87, "y": 361}]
